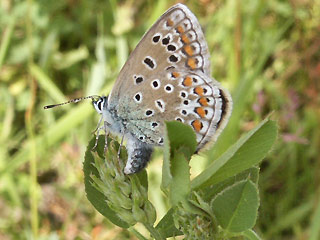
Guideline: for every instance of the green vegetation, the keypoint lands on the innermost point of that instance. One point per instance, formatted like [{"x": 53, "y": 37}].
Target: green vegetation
[
  {"x": 266, "y": 52},
  {"x": 220, "y": 203}
]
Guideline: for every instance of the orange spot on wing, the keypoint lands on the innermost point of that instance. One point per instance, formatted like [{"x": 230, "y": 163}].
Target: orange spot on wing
[
  {"x": 187, "y": 82},
  {"x": 188, "y": 49},
  {"x": 180, "y": 29},
  {"x": 169, "y": 22},
  {"x": 192, "y": 63},
  {"x": 185, "y": 39},
  {"x": 175, "y": 74},
  {"x": 199, "y": 91},
  {"x": 203, "y": 101},
  {"x": 197, "y": 125},
  {"x": 201, "y": 112}
]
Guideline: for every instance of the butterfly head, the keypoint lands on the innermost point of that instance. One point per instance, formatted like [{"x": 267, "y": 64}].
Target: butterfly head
[{"x": 100, "y": 103}]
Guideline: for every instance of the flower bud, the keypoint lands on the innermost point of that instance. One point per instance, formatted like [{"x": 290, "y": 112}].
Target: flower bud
[
  {"x": 125, "y": 195},
  {"x": 193, "y": 226}
]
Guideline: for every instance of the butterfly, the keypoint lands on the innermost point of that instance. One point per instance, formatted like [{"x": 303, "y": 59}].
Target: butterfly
[{"x": 167, "y": 77}]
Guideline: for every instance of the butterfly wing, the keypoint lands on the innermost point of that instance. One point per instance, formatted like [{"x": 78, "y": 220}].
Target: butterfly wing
[
  {"x": 175, "y": 40},
  {"x": 167, "y": 78},
  {"x": 190, "y": 97}
]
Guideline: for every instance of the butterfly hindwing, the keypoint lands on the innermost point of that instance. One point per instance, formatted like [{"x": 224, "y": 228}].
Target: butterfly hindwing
[{"x": 190, "y": 97}]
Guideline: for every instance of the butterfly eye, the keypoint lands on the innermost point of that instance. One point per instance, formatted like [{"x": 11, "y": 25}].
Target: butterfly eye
[{"x": 99, "y": 104}]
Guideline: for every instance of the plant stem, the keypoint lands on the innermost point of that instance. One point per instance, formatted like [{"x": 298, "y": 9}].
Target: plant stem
[
  {"x": 33, "y": 190},
  {"x": 5, "y": 42},
  {"x": 155, "y": 233},
  {"x": 136, "y": 233}
]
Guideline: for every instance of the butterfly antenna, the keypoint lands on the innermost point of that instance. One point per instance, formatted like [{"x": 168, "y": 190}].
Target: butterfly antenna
[{"x": 71, "y": 101}]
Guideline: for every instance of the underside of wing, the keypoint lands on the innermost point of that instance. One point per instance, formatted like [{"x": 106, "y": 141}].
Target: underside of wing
[
  {"x": 166, "y": 78},
  {"x": 174, "y": 41},
  {"x": 192, "y": 98}
]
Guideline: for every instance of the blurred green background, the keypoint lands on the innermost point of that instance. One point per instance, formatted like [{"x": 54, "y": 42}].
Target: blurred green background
[{"x": 266, "y": 52}]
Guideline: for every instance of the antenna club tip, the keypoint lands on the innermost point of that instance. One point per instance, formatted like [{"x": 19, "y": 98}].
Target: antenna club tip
[{"x": 48, "y": 106}]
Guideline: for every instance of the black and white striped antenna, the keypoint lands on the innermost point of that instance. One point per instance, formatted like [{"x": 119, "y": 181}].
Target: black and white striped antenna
[{"x": 93, "y": 97}]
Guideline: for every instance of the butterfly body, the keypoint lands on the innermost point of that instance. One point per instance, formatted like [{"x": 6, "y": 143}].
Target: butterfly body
[{"x": 166, "y": 78}]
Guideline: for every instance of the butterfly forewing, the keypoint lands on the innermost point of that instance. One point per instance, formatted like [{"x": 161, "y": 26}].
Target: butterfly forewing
[{"x": 175, "y": 40}]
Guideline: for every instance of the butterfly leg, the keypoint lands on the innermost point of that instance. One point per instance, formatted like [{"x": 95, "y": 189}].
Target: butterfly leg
[
  {"x": 105, "y": 126},
  {"x": 98, "y": 126},
  {"x": 139, "y": 154},
  {"x": 121, "y": 143},
  {"x": 97, "y": 131}
]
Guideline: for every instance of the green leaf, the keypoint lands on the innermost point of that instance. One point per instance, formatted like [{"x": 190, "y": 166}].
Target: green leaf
[
  {"x": 314, "y": 226},
  {"x": 245, "y": 153},
  {"x": 180, "y": 143},
  {"x": 143, "y": 178},
  {"x": 264, "y": 134},
  {"x": 211, "y": 191},
  {"x": 166, "y": 226},
  {"x": 236, "y": 207},
  {"x": 250, "y": 235},
  {"x": 97, "y": 199},
  {"x": 180, "y": 184},
  {"x": 178, "y": 135}
]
